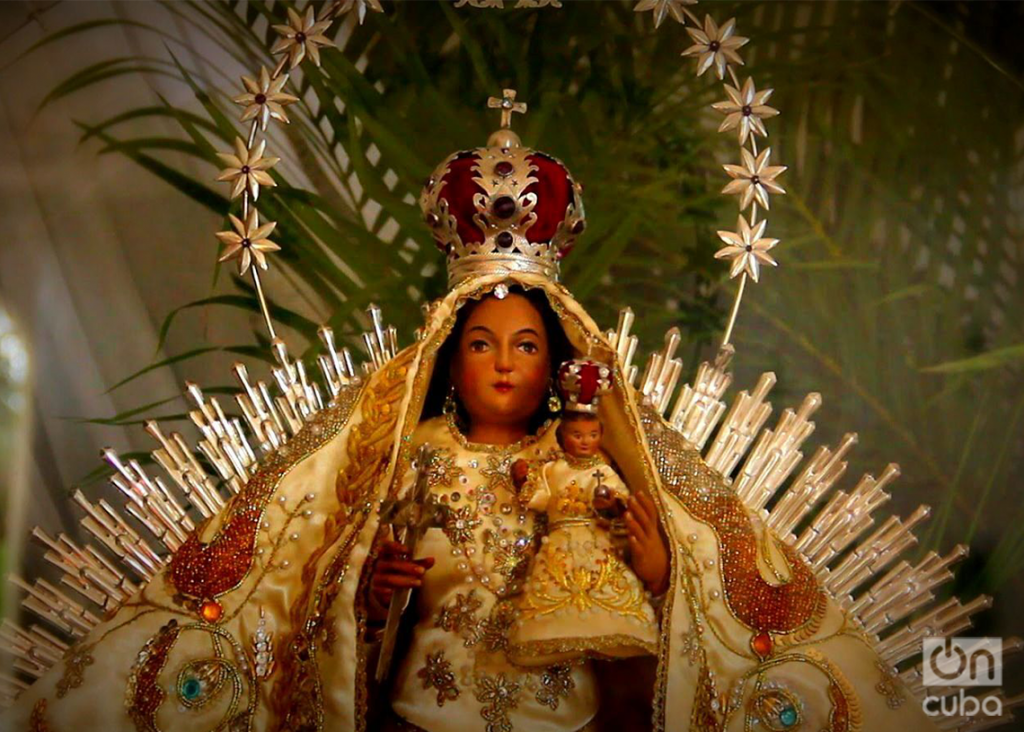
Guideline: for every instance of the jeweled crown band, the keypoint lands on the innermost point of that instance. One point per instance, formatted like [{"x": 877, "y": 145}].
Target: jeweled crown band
[{"x": 461, "y": 269}]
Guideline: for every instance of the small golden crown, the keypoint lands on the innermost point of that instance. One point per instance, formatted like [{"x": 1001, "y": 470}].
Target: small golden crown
[
  {"x": 583, "y": 382},
  {"x": 504, "y": 207}
]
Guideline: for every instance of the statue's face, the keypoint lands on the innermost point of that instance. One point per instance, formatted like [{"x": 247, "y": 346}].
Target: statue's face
[
  {"x": 501, "y": 366},
  {"x": 581, "y": 436}
]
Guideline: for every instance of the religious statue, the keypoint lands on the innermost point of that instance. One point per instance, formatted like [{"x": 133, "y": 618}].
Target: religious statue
[
  {"x": 579, "y": 599},
  {"x": 753, "y": 607},
  {"x": 267, "y": 615}
]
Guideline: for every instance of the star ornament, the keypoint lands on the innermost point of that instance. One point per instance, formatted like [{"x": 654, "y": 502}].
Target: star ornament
[
  {"x": 303, "y": 35},
  {"x": 361, "y": 6},
  {"x": 664, "y": 8},
  {"x": 754, "y": 179},
  {"x": 264, "y": 98},
  {"x": 747, "y": 248},
  {"x": 247, "y": 242},
  {"x": 745, "y": 110},
  {"x": 247, "y": 168},
  {"x": 715, "y": 46}
]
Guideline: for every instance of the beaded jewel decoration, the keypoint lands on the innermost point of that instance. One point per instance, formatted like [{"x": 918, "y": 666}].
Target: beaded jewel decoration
[{"x": 503, "y": 207}]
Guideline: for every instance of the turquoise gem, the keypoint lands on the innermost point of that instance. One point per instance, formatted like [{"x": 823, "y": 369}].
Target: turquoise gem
[
  {"x": 191, "y": 689},
  {"x": 788, "y": 717}
]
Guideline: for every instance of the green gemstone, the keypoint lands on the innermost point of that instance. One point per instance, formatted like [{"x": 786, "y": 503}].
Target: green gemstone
[
  {"x": 191, "y": 689},
  {"x": 788, "y": 717}
]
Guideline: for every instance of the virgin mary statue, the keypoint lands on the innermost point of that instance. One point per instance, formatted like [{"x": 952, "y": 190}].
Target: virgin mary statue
[{"x": 270, "y": 614}]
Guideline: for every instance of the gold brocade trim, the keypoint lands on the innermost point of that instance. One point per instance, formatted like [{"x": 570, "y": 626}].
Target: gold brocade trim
[
  {"x": 771, "y": 706},
  {"x": 37, "y": 720},
  {"x": 75, "y": 661},
  {"x": 564, "y": 523},
  {"x": 751, "y": 599},
  {"x": 296, "y": 700},
  {"x": 705, "y": 716},
  {"x": 580, "y": 588},
  {"x": 890, "y": 686},
  {"x": 600, "y": 647},
  {"x": 144, "y": 694},
  {"x": 503, "y": 450},
  {"x": 767, "y": 554},
  {"x": 362, "y": 689},
  {"x": 696, "y": 595},
  {"x": 845, "y": 714},
  {"x": 205, "y": 570},
  {"x": 578, "y": 463}
]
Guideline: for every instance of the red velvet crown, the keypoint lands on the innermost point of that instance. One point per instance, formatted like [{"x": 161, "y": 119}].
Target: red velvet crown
[
  {"x": 583, "y": 382},
  {"x": 503, "y": 207}
]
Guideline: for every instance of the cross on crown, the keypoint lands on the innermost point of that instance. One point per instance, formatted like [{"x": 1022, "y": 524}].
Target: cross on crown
[{"x": 507, "y": 104}]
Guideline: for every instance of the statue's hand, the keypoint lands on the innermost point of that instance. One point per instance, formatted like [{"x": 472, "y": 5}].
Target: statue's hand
[
  {"x": 391, "y": 570},
  {"x": 648, "y": 547},
  {"x": 520, "y": 471}
]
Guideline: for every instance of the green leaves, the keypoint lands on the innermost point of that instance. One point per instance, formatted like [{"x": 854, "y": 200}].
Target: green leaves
[{"x": 994, "y": 359}]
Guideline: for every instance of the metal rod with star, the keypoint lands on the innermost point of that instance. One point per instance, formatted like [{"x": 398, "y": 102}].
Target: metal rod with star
[{"x": 264, "y": 99}]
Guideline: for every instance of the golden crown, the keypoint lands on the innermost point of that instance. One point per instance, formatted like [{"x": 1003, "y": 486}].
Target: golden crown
[{"x": 504, "y": 207}]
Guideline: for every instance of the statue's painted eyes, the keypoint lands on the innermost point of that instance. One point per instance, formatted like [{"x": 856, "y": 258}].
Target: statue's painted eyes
[
  {"x": 478, "y": 346},
  {"x": 529, "y": 347}
]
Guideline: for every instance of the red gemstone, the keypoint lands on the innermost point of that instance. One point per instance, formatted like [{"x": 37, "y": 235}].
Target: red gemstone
[
  {"x": 762, "y": 644},
  {"x": 211, "y": 611},
  {"x": 504, "y": 207},
  {"x": 504, "y": 239},
  {"x": 504, "y": 168}
]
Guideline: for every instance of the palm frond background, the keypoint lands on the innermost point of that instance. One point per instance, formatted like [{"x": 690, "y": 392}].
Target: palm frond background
[{"x": 898, "y": 293}]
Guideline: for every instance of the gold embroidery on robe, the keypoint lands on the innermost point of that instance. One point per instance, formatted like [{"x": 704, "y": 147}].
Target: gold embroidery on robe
[
  {"x": 437, "y": 673},
  {"x": 75, "y": 661}
]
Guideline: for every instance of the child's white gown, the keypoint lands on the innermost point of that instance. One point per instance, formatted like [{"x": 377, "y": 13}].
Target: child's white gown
[{"x": 580, "y": 598}]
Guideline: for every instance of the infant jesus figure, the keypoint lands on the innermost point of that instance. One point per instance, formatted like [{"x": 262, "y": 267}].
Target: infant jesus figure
[{"x": 579, "y": 599}]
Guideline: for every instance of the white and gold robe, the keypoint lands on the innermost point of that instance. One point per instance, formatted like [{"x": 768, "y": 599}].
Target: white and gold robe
[
  {"x": 580, "y": 598},
  {"x": 746, "y": 630},
  {"x": 455, "y": 674}
]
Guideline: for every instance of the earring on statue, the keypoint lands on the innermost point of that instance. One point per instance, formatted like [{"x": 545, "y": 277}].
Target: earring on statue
[
  {"x": 450, "y": 406},
  {"x": 554, "y": 403}
]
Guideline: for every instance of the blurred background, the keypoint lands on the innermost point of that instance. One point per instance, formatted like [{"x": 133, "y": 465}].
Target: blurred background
[{"x": 898, "y": 295}]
